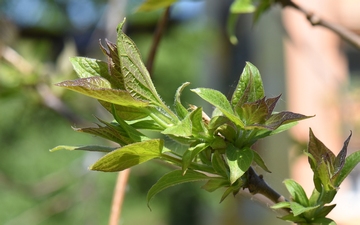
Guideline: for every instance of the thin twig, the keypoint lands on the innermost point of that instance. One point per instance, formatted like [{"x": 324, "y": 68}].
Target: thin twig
[
  {"x": 344, "y": 33},
  {"x": 119, "y": 194},
  {"x": 156, "y": 40}
]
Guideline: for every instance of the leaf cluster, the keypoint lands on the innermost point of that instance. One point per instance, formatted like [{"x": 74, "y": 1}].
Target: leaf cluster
[
  {"x": 218, "y": 149},
  {"x": 329, "y": 172}
]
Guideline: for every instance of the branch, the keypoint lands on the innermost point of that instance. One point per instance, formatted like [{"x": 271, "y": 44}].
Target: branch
[
  {"x": 156, "y": 40},
  {"x": 344, "y": 33},
  {"x": 257, "y": 185}
]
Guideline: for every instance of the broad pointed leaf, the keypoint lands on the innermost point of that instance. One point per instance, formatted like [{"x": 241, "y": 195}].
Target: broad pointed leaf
[
  {"x": 191, "y": 153},
  {"x": 298, "y": 209},
  {"x": 86, "y": 67},
  {"x": 249, "y": 88},
  {"x": 136, "y": 77},
  {"x": 260, "y": 162},
  {"x": 219, "y": 100},
  {"x": 239, "y": 161},
  {"x": 129, "y": 156},
  {"x": 99, "y": 88}
]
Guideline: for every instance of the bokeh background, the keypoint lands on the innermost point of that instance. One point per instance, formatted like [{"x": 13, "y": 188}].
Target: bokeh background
[{"x": 37, "y": 38}]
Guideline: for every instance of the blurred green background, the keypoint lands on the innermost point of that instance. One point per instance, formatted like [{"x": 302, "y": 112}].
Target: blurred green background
[{"x": 36, "y": 39}]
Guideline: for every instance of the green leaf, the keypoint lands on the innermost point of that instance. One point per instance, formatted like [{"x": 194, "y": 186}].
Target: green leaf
[
  {"x": 129, "y": 155},
  {"x": 111, "y": 131},
  {"x": 218, "y": 164},
  {"x": 180, "y": 110},
  {"x": 239, "y": 161},
  {"x": 297, "y": 192},
  {"x": 127, "y": 112},
  {"x": 199, "y": 130},
  {"x": 351, "y": 161},
  {"x": 323, "y": 221},
  {"x": 100, "y": 88},
  {"x": 150, "y": 5},
  {"x": 242, "y": 6},
  {"x": 323, "y": 211},
  {"x": 93, "y": 148},
  {"x": 86, "y": 67},
  {"x": 231, "y": 27},
  {"x": 249, "y": 88},
  {"x": 215, "y": 183},
  {"x": 298, "y": 209},
  {"x": 174, "y": 178},
  {"x": 182, "y": 129},
  {"x": 263, "y": 6},
  {"x": 137, "y": 79},
  {"x": 219, "y": 100},
  {"x": 295, "y": 219},
  {"x": 260, "y": 162},
  {"x": 281, "y": 205},
  {"x": 191, "y": 153},
  {"x": 115, "y": 77}
]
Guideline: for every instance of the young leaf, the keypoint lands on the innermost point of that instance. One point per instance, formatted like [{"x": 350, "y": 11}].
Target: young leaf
[
  {"x": 278, "y": 119},
  {"x": 323, "y": 211},
  {"x": 179, "y": 108},
  {"x": 86, "y": 67},
  {"x": 249, "y": 88},
  {"x": 298, "y": 209},
  {"x": 297, "y": 192},
  {"x": 137, "y": 79},
  {"x": 99, "y": 88},
  {"x": 218, "y": 164},
  {"x": 341, "y": 157},
  {"x": 239, "y": 161},
  {"x": 351, "y": 161},
  {"x": 215, "y": 183},
  {"x": 219, "y": 100},
  {"x": 191, "y": 153},
  {"x": 260, "y": 162},
  {"x": 129, "y": 155},
  {"x": 174, "y": 178},
  {"x": 126, "y": 112}
]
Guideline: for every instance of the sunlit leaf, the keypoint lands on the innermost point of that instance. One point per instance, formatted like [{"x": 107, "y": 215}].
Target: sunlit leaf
[
  {"x": 86, "y": 67},
  {"x": 99, "y": 88},
  {"x": 219, "y": 100},
  {"x": 129, "y": 156},
  {"x": 137, "y": 79},
  {"x": 174, "y": 178},
  {"x": 249, "y": 88}
]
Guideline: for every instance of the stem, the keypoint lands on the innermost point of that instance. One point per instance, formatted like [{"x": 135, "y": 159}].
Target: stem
[
  {"x": 195, "y": 166},
  {"x": 344, "y": 33},
  {"x": 156, "y": 40},
  {"x": 118, "y": 198},
  {"x": 256, "y": 185}
]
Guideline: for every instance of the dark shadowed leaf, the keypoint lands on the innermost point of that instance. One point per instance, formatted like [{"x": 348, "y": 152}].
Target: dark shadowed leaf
[
  {"x": 239, "y": 161},
  {"x": 174, "y": 178}
]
